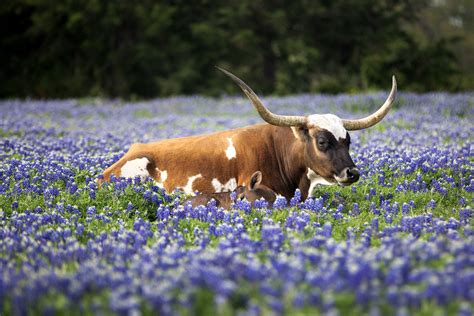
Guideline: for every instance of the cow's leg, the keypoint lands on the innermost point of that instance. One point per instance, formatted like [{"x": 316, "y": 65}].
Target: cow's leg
[
  {"x": 305, "y": 187},
  {"x": 136, "y": 162}
]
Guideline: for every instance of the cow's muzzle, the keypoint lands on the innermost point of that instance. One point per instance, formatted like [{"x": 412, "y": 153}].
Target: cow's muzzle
[{"x": 348, "y": 176}]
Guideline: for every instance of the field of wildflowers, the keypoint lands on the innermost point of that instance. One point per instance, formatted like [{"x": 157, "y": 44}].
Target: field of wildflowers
[{"x": 400, "y": 241}]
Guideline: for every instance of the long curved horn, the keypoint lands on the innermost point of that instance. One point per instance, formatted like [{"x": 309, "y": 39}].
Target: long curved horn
[
  {"x": 269, "y": 117},
  {"x": 371, "y": 120}
]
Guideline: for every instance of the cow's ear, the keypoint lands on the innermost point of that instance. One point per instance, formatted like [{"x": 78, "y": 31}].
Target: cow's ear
[
  {"x": 255, "y": 179},
  {"x": 301, "y": 133}
]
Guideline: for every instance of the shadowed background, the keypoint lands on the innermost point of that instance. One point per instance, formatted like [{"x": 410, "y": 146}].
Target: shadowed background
[{"x": 145, "y": 49}]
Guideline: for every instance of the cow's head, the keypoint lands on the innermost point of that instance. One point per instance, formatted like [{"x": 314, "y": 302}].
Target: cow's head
[
  {"x": 324, "y": 136},
  {"x": 256, "y": 190}
]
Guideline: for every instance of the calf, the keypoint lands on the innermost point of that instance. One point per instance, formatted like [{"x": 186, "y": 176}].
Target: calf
[{"x": 253, "y": 192}]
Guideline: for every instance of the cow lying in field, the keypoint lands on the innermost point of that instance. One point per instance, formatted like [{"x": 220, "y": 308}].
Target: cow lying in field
[
  {"x": 253, "y": 192},
  {"x": 292, "y": 152}
]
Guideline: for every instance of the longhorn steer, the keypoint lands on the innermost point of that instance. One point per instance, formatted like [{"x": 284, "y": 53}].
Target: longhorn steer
[
  {"x": 252, "y": 192},
  {"x": 291, "y": 152}
]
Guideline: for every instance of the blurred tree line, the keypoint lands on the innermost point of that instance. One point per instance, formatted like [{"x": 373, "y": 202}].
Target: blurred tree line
[{"x": 142, "y": 49}]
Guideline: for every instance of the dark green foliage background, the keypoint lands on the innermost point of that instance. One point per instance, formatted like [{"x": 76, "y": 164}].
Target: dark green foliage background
[{"x": 143, "y": 49}]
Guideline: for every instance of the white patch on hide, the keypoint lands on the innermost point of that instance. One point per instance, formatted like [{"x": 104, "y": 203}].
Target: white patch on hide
[
  {"x": 230, "y": 151},
  {"x": 315, "y": 179},
  {"x": 188, "y": 189},
  {"x": 135, "y": 167},
  {"x": 230, "y": 185},
  {"x": 163, "y": 177},
  {"x": 329, "y": 122}
]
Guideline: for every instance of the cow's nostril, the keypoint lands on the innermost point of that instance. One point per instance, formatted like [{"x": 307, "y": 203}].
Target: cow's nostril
[{"x": 353, "y": 173}]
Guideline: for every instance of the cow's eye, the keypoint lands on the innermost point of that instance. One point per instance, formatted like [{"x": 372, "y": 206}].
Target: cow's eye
[{"x": 322, "y": 143}]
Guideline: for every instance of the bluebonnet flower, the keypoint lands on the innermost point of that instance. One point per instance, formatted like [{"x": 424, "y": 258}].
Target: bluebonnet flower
[
  {"x": 375, "y": 224},
  {"x": 355, "y": 209},
  {"x": 91, "y": 210},
  {"x": 405, "y": 208},
  {"x": 374, "y": 209},
  {"x": 296, "y": 198},
  {"x": 155, "y": 199},
  {"x": 79, "y": 229},
  {"x": 465, "y": 309},
  {"x": 262, "y": 203},
  {"x": 327, "y": 230},
  {"x": 432, "y": 204},
  {"x": 280, "y": 202},
  {"x": 465, "y": 215},
  {"x": 337, "y": 215}
]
